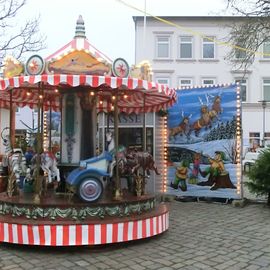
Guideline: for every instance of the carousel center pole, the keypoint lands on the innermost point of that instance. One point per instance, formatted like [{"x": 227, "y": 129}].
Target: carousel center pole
[
  {"x": 144, "y": 124},
  {"x": 11, "y": 120},
  {"x": 37, "y": 176},
  {"x": 117, "y": 195},
  {"x": 144, "y": 145}
]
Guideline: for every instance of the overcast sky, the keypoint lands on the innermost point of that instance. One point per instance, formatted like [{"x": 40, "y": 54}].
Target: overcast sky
[{"x": 109, "y": 24}]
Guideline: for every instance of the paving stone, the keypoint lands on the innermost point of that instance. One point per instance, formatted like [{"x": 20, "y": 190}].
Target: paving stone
[
  {"x": 253, "y": 267},
  {"x": 146, "y": 263},
  {"x": 9, "y": 267}
]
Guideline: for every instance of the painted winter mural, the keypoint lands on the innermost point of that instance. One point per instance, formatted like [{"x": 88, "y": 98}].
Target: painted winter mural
[{"x": 202, "y": 144}]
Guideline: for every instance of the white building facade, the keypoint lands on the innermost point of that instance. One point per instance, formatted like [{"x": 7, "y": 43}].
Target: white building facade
[{"x": 181, "y": 56}]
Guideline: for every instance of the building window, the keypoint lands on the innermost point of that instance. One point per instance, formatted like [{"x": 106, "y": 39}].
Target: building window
[
  {"x": 243, "y": 86},
  {"x": 266, "y": 89},
  {"x": 266, "y": 49},
  {"x": 185, "y": 47},
  {"x": 163, "y": 80},
  {"x": 163, "y": 47},
  {"x": 254, "y": 140},
  {"x": 184, "y": 82},
  {"x": 208, "y": 82},
  {"x": 18, "y": 110},
  {"x": 208, "y": 48},
  {"x": 240, "y": 53}
]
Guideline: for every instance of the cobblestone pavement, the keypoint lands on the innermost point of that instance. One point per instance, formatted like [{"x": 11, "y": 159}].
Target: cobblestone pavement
[{"x": 201, "y": 236}]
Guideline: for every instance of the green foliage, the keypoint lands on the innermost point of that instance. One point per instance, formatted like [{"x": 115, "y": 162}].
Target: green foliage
[
  {"x": 162, "y": 112},
  {"x": 259, "y": 175}
]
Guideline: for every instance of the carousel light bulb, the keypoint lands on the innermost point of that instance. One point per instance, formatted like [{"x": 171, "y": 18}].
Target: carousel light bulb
[
  {"x": 40, "y": 96},
  {"x": 92, "y": 93},
  {"x": 100, "y": 102},
  {"x": 112, "y": 107},
  {"x": 125, "y": 96},
  {"x": 113, "y": 97},
  {"x": 28, "y": 93},
  {"x": 56, "y": 90}
]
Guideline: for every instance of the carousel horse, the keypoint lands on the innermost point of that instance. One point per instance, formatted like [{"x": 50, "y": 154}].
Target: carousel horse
[
  {"x": 14, "y": 158},
  {"x": 109, "y": 141},
  {"x": 48, "y": 164}
]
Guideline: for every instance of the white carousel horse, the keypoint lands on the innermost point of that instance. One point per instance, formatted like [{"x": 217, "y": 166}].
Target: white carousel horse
[
  {"x": 110, "y": 141},
  {"x": 48, "y": 164},
  {"x": 121, "y": 153},
  {"x": 110, "y": 148},
  {"x": 14, "y": 158}
]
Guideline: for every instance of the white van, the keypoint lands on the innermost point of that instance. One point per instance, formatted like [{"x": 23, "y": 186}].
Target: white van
[{"x": 249, "y": 159}]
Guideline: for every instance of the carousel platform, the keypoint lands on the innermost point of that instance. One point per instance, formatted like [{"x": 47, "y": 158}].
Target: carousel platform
[{"x": 61, "y": 220}]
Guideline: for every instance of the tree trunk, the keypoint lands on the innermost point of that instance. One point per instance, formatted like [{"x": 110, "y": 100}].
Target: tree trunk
[{"x": 268, "y": 199}]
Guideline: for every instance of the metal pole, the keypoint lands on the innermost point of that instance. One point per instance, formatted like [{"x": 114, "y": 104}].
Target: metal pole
[
  {"x": 117, "y": 195},
  {"x": 42, "y": 119},
  {"x": 263, "y": 142},
  {"x": 144, "y": 27},
  {"x": 144, "y": 124},
  {"x": 50, "y": 131},
  {"x": 11, "y": 131},
  {"x": 37, "y": 176},
  {"x": 61, "y": 123},
  {"x": 264, "y": 103}
]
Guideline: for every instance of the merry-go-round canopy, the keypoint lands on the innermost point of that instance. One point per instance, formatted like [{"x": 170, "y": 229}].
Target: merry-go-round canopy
[
  {"x": 141, "y": 95},
  {"x": 79, "y": 69}
]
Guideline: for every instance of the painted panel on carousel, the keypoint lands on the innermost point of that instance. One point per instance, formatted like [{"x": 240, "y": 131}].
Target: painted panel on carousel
[
  {"x": 202, "y": 143},
  {"x": 79, "y": 62},
  {"x": 12, "y": 67},
  {"x": 120, "y": 68},
  {"x": 35, "y": 65}
]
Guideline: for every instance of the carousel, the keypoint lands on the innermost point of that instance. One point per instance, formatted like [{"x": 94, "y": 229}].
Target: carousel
[{"x": 78, "y": 199}]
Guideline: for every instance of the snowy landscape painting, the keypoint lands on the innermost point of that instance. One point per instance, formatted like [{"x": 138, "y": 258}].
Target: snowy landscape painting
[{"x": 202, "y": 144}]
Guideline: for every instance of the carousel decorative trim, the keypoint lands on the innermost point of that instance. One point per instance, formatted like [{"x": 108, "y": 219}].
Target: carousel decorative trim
[
  {"x": 83, "y": 234},
  {"x": 35, "y": 65},
  {"x": 79, "y": 213}
]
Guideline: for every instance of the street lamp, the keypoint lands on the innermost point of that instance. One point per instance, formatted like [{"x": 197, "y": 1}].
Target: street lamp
[{"x": 264, "y": 104}]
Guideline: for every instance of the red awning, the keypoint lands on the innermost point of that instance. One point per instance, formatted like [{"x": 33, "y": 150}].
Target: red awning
[{"x": 142, "y": 96}]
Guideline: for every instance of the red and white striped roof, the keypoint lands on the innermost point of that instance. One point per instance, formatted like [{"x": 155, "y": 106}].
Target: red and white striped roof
[
  {"x": 143, "y": 96},
  {"x": 79, "y": 44}
]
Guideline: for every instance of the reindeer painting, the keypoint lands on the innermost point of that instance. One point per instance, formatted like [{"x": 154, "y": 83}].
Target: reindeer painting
[
  {"x": 182, "y": 128},
  {"x": 204, "y": 120},
  {"x": 216, "y": 107},
  {"x": 212, "y": 129}
]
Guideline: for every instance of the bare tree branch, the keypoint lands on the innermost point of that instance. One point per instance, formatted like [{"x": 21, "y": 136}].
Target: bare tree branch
[
  {"x": 14, "y": 40},
  {"x": 249, "y": 34}
]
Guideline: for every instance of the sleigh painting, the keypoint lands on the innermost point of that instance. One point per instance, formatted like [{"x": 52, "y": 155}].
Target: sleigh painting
[{"x": 202, "y": 128}]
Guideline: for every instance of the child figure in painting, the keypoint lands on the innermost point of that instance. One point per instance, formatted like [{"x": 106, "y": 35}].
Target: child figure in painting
[
  {"x": 216, "y": 164},
  {"x": 218, "y": 176},
  {"x": 196, "y": 167},
  {"x": 181, "y": 176}
]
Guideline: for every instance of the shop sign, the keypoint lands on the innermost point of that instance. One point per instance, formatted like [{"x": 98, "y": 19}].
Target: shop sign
[{"x": 127, "y": 119}]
